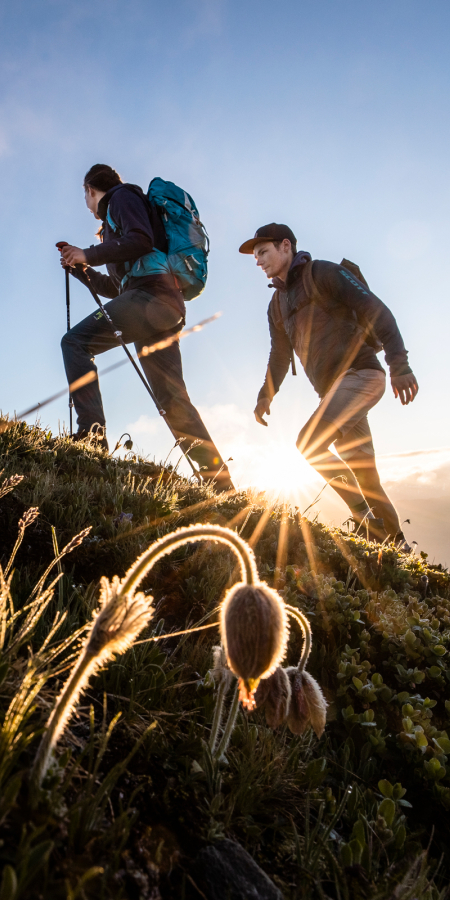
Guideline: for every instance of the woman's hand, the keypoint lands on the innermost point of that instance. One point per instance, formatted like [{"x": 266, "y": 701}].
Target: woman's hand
[{"x": 71, "y": 256}]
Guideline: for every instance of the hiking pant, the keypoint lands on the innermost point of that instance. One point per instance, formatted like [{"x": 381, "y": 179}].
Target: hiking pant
[
  {"x": 341, "y": 420},
  {"x": 143, "y": 319}
]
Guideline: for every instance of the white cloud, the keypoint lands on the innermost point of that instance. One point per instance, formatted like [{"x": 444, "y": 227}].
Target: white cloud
[
  {"x": 421, "y": 471},
  {"x": 145, "y": 426}
]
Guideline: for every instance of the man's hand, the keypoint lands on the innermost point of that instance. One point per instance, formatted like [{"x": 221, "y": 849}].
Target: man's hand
[
  {"x": 70, "y": 256},
  {"x": 405, "y": 387},
  {"x": 262, "y": 408}
]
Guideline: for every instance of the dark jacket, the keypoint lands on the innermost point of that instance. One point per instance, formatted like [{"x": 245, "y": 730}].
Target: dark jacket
[
  {"x": 328, "y": 337},
  {"x": 139, "y": 231}
]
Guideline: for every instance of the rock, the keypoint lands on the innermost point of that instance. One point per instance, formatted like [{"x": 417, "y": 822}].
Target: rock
[{"x": 226, "y": 870}]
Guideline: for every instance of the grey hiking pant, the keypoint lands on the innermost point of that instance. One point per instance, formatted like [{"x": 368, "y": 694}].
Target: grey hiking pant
[{"x": 143, "y": 319}]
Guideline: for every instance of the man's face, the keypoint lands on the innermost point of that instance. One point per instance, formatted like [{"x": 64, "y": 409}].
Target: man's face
[{"x": 273, "y": 260}]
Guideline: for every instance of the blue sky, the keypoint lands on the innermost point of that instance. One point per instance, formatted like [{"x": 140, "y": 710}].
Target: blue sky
[{"x": 330, "y": 115}]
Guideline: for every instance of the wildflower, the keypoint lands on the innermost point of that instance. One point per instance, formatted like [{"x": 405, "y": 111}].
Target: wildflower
[
  {"x": 115, "y": 626},
  {"x": 292, "y": 694},
  {"x": 254, "y": 630},
  {"x": 274, "y": 694},
  {"x": 308, "y": 707}
]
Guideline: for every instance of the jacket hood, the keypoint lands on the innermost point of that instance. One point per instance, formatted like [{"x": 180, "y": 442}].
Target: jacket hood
[
  {"x": 300, "y": 259},
  {"x": 105, "y": 201}
]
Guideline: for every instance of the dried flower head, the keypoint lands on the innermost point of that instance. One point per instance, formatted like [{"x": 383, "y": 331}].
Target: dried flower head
[
  {"x": 8, "y": 484},
  {"x": 28, "y": 517},
  {"x": 118, "y": 620},
  {"x": 274, "y": 694},
  {"x": 254, "y": 630},
  {"x": 77, "y": 540},
  {"x": 308, "y": 707}
]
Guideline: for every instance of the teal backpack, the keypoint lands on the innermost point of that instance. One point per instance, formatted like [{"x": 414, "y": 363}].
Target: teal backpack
[{"x": 188, "y": 242}]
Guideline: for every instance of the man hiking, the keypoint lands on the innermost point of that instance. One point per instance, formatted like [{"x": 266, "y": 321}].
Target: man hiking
[
  {"x": 146, "y": 309},
  {"x": 335, "y": 324}
]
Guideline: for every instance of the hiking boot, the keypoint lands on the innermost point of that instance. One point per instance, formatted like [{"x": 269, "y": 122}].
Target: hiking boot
[
  {"x": 96, "y": 435},
  {"x": 377, "y": 531},
  {"x": 372, "y": 529}
]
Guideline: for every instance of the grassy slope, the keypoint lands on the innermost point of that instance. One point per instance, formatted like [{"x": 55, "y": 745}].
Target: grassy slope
[{"x": 323, "y": 818}]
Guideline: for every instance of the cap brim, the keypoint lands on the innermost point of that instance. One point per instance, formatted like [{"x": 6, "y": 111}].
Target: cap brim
[{"x": 249, "y": 246}]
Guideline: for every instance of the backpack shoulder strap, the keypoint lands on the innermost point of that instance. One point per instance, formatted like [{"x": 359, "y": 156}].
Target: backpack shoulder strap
[
  {"x": 309, "y": 284},
  {"x": 111, "y": 222},
  {"x": 275, "y": 309}
]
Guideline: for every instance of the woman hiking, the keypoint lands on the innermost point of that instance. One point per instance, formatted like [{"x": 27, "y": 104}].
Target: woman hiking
[{"x": 146, "y": 309}]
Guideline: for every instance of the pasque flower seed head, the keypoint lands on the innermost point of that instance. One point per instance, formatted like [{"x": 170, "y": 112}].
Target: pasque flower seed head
[
  {"x": 274, "y": 694},
  {"x": 254, "y": 630},
  {"x": 308, "y": 707}
]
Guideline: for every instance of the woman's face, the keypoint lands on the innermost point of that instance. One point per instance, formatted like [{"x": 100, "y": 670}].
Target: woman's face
[{"x": 92, "y": 198}]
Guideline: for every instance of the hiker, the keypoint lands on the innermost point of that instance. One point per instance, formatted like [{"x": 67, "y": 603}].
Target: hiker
[
  {"x": 327, "y": 315},
  {"x": 146, "y": 309}
]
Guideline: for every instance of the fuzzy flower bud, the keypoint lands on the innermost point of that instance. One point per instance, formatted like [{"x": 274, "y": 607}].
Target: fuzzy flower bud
[
  {"x": 274, "y": 694},
  {"x": 308, "y": 707},
  {"x": 220, "y": 671},
  {"x": 254, "y": 631},
  {"x": 117, "y": 623}
]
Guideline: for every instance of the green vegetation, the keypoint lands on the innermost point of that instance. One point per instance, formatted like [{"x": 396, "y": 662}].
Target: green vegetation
[{"x": 134, "y": 792}]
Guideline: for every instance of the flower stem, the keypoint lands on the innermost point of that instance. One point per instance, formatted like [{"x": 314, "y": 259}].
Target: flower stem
[
  {"x": 215, "y": 727},
  {"x": 223, "y": 746},
  {"x": 71, "y": 691},
  {"x": 301, "y": 620},
  {"x": 192, "y": 534}
]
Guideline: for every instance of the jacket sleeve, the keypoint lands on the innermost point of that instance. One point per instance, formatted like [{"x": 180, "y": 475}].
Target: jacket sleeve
[
  {"x": 279, "y": 359},
  {"x": 130, "y": 214},
  {"x": 102, "y": 284},
  {"x": 337, "y": 282}
]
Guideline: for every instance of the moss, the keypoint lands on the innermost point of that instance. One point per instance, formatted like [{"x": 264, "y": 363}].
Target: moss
[{"x": 361, "y": 813}]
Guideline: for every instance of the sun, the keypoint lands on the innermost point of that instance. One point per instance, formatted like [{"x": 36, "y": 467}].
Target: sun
[{"x": 278, "y": 470}]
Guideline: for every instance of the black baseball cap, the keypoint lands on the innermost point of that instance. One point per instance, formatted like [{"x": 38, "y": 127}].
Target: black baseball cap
[{"x": 272, "y": 232}]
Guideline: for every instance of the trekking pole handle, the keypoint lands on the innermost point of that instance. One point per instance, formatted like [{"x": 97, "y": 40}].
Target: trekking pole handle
[{"x": 60, "y": 245}]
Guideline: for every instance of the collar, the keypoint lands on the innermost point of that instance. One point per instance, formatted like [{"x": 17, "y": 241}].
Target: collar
[
  {"x": 300, "y": 259},
  {"x": 103, "y": 204}
]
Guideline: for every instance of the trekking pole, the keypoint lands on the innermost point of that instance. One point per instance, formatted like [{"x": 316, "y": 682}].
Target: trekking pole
[
  {"x": 118, "y": 335},
  {"x": 60, "y": 245}
]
